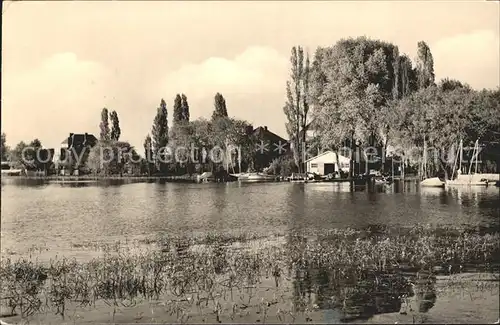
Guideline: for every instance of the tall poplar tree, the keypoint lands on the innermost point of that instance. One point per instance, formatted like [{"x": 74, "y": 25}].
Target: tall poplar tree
[
  {"x": 185, "y": 108},
  {"x": 159, "y": 134},
  {"x": 220, "y": 109},
  {"x": 425, "y": 66},
  {"x": 177, "y": 114},
  {"x": 297, "y": 105},
  {"x": 104, "y": 125},
  {"x": 115, "y": 126},
  {"x": 3, "y": 147},
  {"x": 148, "y": 153}
]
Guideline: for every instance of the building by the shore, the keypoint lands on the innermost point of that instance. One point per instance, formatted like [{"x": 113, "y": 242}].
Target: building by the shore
[
  {"x": 326, "y": 163},
  {"x": 71, "y": 148},
  {"x": 269, "y": 146}
]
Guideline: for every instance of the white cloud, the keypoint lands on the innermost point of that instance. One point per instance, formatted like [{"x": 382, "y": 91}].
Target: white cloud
[
  {"x": 252, "y": 83},
  {"x": 255, "y": 70},
  {"x": 62, "y": 95},
  {"x": 66, "y": 93},
  {"x": 473, "y": 58}
]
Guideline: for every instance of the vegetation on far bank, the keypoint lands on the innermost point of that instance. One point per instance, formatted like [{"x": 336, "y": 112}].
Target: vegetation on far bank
[
  {"x": 357, "y": 93},
  {"x": 363, "y": 92}
]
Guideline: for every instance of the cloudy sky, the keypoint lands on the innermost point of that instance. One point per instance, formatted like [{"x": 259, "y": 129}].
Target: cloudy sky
[{"x": 62, "y": 62}]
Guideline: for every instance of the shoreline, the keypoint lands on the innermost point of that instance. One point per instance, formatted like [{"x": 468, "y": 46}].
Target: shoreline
[{"x": 171, "y": 178}]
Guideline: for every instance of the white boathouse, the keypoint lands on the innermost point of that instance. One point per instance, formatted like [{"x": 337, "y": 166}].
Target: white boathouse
[{"x": 326, "y": 163}]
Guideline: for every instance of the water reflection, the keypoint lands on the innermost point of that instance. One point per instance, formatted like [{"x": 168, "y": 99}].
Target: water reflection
[
  {"x": 432, "y": 191},
  {"x": 35, "y": 212},
  {"x": 348, "y": 296}
]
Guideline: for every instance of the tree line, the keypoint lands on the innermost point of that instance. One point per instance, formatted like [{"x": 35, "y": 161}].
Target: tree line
[
  {"x": 357, "y": 93},
  {"x": 362, "y": 92},
  {"x": 196, "y": 138}
]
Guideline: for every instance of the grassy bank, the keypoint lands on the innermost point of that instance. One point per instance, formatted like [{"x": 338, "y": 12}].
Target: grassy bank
[{"x": 357, "y": 273}]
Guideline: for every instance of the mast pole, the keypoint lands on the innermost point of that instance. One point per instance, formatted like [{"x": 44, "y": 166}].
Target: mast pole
[
  {"x": 461, "y": 155},
  {"x": 477, "y": 154},
  {"x": 472, "y": 158},
  {"x": 454, "y": 165},
  {"x": 392, "y": 167},
  {"x": 425, "y": 159},
  {"x": 239, "y": 160}
]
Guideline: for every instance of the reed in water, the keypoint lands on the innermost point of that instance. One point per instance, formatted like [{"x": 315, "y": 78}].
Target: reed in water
[{"x": 209, "y": 278}]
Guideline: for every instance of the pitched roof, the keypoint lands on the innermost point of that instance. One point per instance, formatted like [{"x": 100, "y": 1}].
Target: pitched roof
[
  {"x": 320, "y": 155},
  {"x": 265, "y": 132},
  {"x": 79, "y": 137},
  {"x": 325, "y": 153}
]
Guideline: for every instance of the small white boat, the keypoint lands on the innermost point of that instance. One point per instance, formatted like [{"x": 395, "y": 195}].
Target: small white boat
[
  {"x": 205, "y": 177},
  {"x": 7, "y": 170},
  {"x": 380, "y": 181},
  {"x": 256, "y": 177},
  {"x": 301, "y": 177},
  {"x": 468, "y": 180},
  {"x": 432, "y": 182}
]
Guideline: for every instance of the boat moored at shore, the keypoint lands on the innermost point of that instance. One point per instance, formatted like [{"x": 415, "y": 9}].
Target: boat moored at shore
[
  {"x": 432, "y": 182},
  {"x": 7, "y": 170},
  {"x": 256, "y": 177}
]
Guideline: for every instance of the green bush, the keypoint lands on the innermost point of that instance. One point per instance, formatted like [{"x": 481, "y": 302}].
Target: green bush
[{"x": 282, "y": 166}]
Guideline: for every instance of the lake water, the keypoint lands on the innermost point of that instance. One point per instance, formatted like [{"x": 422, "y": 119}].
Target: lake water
[{"x": 62, "y": 217}]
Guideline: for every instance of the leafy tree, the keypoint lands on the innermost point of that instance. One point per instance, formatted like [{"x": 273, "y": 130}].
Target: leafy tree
[
  {"x": 185, "y": 108},
  {"x": 439, "y": 117},
  {"x": 220, "y": 109},
  {"x": 283, "y": 166},
  {"x": 115, "y": 129},
  {"x": 484, "y": 116},
  {"x": 178, "y": 114},
  {"x": 296, "y": 107},
  {"x": 365, "y": 91},
  {"x": 410, "y": 120},
  {"x": 200, "y": 136},
  {"x": 16, "y": 156},
  {"x": 404, "y": 84},
  {"x": 448, "y": 84},
  {"x": 110, "y": 157},
  {"x": 24, "y": 155},
  {"x": 104, "y": 125},
  {"x": 33, "y": 154},
  {"x": 3, "y": 148},
  {"x": 228, "y": 134},
  {"x": 407, "y": 76},
  {"x": 159, "y": 134},
  {"x": 201, "y": 139},
  {"x": 425, "y": 66},
  {"x": 35, "y": 144},
  {"x": 219, "y": 137},
  {"x": 148, "y": 154},
  {"x": 180, "y": 141},
  {"x": 358, "y": 78}
]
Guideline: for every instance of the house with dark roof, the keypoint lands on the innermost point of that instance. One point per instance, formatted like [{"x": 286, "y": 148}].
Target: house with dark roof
[
  {"x": 76, "y": 140},
  {"x": 72, "y": 147},
  {"x": 269, "y": 146}
]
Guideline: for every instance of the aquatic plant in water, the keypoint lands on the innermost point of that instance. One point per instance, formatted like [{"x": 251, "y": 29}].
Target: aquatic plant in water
[{"x": 355, "y": 271}]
